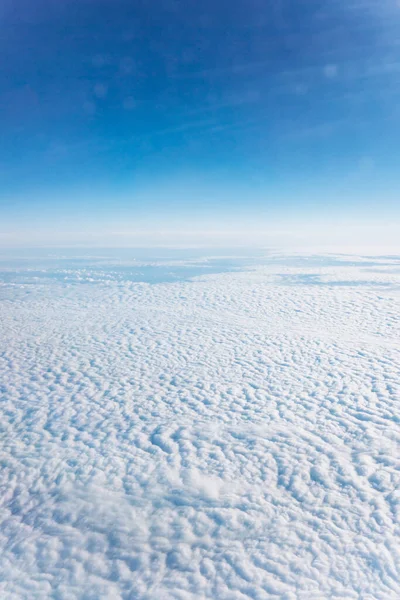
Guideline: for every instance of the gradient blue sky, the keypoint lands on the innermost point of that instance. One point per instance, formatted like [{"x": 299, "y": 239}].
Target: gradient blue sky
[{"x": 121, "y": 119}]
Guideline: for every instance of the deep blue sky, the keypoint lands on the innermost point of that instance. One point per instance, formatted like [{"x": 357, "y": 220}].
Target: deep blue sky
[{"x": 121, "y": 114}]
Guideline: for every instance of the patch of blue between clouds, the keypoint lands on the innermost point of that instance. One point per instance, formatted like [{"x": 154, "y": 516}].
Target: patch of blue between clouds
[{"x": 155, "y": 266}]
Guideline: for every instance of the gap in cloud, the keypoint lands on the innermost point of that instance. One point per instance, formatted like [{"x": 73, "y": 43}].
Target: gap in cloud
[{"x": 156, "y": 265}]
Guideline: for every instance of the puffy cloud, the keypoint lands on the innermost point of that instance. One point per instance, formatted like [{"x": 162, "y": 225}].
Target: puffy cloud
[{"x": 232, "y": 436}]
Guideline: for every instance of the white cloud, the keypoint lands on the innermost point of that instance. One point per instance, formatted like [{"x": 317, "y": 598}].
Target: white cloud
[{"x": 231, "y": 437}]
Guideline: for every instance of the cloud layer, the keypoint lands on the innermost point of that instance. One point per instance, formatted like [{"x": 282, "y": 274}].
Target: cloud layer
[{"x": 235, "y": 436}]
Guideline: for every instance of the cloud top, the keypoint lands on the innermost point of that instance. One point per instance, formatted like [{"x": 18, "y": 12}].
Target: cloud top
[{"x": 233, "y": 436}]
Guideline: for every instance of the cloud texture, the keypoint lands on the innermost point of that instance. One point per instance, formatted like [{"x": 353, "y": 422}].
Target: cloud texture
[{"x": 235, "y": 436}]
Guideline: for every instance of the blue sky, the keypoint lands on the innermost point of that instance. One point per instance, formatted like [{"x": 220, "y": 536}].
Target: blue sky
[{"x": 126, "y": 117}]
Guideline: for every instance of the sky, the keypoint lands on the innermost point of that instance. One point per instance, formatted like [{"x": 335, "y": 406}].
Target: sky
[{"x": 129, "y": 123}]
